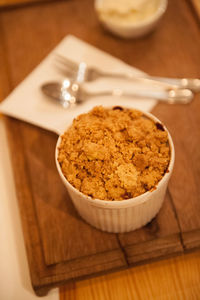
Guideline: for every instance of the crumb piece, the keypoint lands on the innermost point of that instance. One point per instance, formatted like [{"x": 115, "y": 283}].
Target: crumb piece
[
  {"x": 128, "y": 176},
  {"x": 95, "y": 151},
  {"x": 93, "y": 187}
]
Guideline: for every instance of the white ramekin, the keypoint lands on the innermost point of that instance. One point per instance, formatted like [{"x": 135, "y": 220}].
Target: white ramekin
[
  {"x": 125, "y": 215},
  {"x": 135, "y": 29}
]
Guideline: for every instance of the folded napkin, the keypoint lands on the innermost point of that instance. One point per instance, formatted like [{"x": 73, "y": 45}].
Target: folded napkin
[{"x": 27, "y": 103}]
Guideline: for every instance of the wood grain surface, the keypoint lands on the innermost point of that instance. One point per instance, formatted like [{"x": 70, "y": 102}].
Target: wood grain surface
[
  {"x": 9, "y": 3},
  {"x": 27, "y": 34},
  {"x": 159, "y": 239},
  {"x": 174, "y": 279},
  {"x": 196, "y": 5},
  {"x": 4, "y": 72}
]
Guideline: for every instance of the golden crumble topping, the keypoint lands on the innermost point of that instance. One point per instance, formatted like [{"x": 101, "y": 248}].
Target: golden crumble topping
[{"x": 114, "y": 154}]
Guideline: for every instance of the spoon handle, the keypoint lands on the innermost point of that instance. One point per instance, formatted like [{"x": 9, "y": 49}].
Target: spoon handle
[{"x": 172, "y": 96}]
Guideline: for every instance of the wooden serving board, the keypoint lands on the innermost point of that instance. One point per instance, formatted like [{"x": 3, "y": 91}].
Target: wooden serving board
[{"x": 60, "y": 246}]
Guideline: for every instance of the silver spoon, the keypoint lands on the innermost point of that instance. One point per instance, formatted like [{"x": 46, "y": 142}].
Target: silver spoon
[{"x": 70, "y": 92}]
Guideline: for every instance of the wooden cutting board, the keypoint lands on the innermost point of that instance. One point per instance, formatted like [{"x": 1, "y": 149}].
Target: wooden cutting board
[{"x": 60, "y": 245}]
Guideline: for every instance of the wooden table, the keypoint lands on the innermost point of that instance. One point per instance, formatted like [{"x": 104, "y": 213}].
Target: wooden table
[{"x": 28, "y": 33}]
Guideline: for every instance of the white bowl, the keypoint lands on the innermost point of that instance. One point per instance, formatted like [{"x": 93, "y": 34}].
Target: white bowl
[
  {"x": 134, "y": 29},
  {"x": 124, "y": 215}
]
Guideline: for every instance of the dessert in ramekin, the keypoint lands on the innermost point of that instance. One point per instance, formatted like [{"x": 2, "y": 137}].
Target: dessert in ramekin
[{"x": 116, "y": 163}]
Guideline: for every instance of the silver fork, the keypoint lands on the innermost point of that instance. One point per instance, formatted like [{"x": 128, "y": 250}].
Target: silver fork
[{"x": 82, "y": 72}]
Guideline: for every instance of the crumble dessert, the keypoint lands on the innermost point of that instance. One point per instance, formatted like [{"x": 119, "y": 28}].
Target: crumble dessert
[{"x": 114, "y": 153}]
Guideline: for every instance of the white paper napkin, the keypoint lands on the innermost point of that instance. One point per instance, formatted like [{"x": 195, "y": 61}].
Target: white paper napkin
[{"x": 27, "y": 102}]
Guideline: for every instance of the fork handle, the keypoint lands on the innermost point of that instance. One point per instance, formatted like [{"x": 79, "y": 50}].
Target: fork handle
[{"x": 192, "y": 84}]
